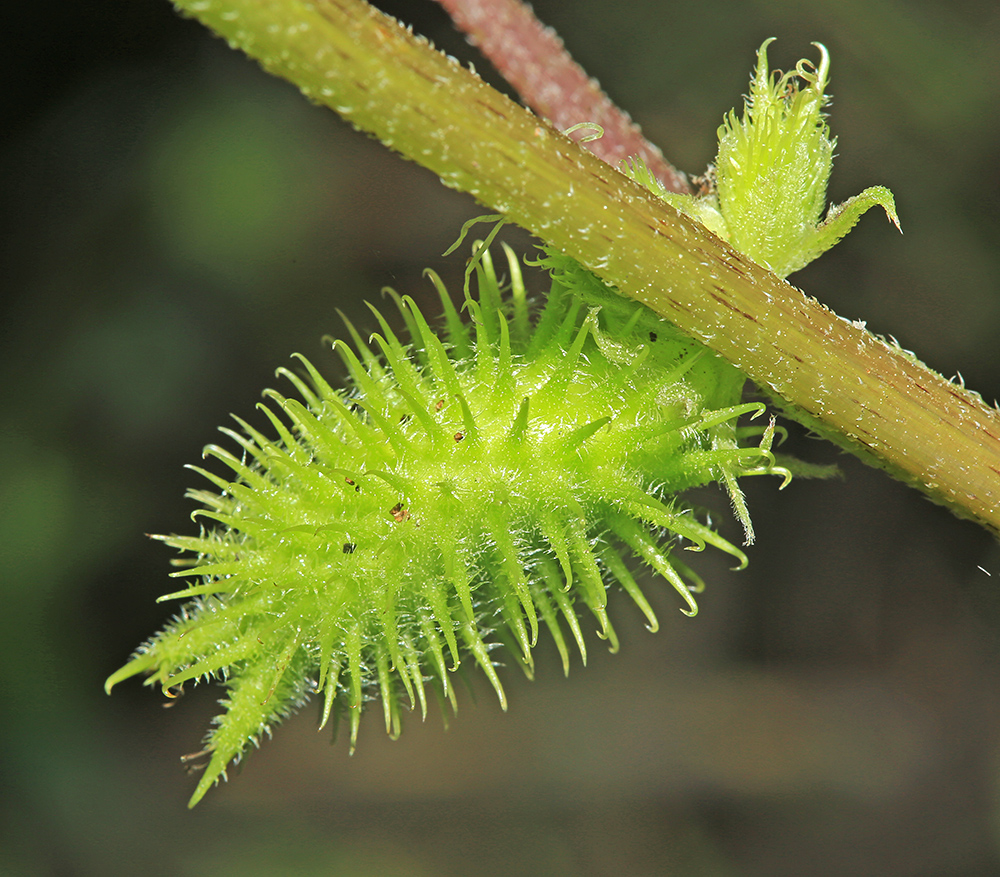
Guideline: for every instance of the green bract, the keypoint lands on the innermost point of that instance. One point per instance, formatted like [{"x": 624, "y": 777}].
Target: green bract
[
  {"x": 464, "y": 493},
  {"x": 767, "y": 191}
]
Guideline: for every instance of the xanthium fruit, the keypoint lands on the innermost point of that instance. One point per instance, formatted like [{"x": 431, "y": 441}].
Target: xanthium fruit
[{"x": 466, "y": 491}]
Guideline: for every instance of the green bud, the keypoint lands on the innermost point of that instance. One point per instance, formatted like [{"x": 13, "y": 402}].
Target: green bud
[{"x": 767, "y": 191}]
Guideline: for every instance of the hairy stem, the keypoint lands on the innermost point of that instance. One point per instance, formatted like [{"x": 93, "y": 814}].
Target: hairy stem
[
  {"x": 533, "y": 59},
  {"x": 857, "y": 390}
]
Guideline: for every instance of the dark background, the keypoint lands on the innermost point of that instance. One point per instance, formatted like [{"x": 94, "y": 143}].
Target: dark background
[{"x": 176, "y": 224}]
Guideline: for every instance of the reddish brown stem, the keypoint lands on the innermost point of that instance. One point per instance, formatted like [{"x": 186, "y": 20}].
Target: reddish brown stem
[{"x": 533, "y": 59}]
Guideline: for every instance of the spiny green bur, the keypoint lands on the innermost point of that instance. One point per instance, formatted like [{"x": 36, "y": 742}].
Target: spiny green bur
[
  {"x": 766, "y": 192},
  {"x": 465, "y": 492}
]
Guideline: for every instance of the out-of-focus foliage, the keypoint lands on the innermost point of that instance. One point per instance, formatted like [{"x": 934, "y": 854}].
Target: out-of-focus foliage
[{"x": 177, "y": 224}]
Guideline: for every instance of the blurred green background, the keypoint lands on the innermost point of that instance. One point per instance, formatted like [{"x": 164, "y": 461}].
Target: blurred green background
[{"x": 176, "y": 224}]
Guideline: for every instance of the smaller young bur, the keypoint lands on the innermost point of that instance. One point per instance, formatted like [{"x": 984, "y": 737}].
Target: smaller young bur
[{"x": 766, "y": 191}]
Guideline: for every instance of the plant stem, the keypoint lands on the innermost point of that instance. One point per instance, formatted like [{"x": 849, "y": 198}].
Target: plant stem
[
  {"x": 533, "y": 59},
  {"x": 859, "y": 391}
]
